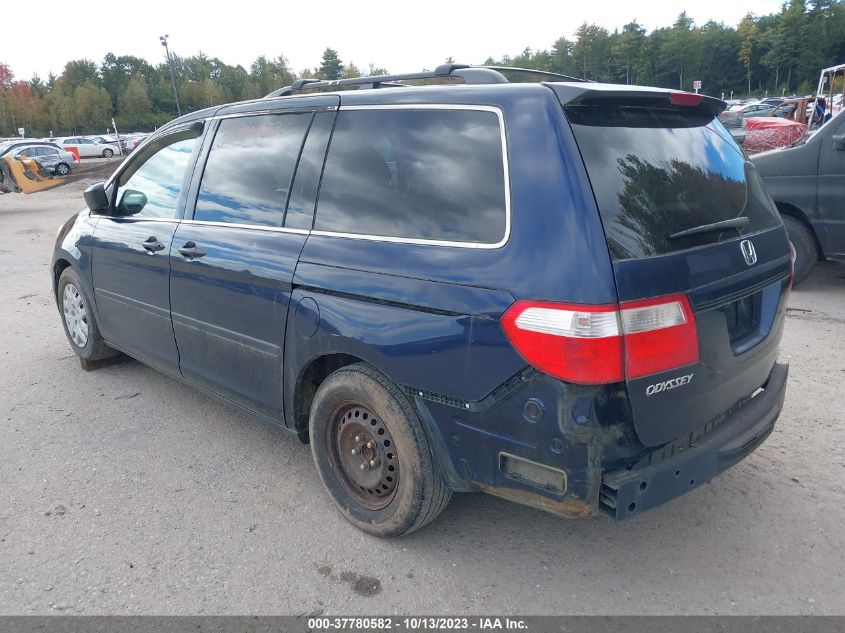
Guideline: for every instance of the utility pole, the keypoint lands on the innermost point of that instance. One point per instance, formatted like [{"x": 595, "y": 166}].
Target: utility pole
[{"x": 163, "y": 40}]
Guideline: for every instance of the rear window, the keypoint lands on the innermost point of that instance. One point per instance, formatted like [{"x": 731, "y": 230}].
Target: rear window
[
  {"x": 656, "y": 172},
  {"x": 415, "y": 174}
]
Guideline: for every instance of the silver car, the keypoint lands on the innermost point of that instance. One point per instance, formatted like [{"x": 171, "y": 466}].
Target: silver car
[
  {"x": 51, "y": 159},
  {"x": 89, "y": 148}
]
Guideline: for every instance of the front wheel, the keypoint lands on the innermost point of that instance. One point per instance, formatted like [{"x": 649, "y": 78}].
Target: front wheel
[
  {"x": 108, "y": 153},
  {"x": 372, "y": 454},
  {"x": 78, "y": 320}
]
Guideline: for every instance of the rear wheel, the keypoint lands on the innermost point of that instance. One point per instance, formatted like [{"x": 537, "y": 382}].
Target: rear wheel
[
  {"x": 806, "y": 250},
  {"x": 372, "y": 454},
  {"x": 62, "y": 169}
]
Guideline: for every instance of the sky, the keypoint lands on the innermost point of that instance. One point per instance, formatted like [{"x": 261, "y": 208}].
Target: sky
[{"x": 398, "y": 35}]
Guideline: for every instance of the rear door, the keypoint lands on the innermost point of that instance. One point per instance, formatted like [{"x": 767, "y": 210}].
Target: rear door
[
  {"x": 662, "y": 173},
  {"x": 233, "y": 259}
]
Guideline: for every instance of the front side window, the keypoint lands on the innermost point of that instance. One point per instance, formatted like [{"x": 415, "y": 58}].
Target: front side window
[
  {"x": 428, "y": 174},
  {"x": 249, "y": 169},
  {"x": 152, "y": 185}
]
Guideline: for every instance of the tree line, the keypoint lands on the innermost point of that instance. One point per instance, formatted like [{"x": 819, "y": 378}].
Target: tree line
[{"x": 780, "y": 53}]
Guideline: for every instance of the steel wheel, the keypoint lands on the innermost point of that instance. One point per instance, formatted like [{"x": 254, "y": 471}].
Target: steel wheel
[
  {"x": 76, "y": 318},
  {"x": 363, "y": 455}
]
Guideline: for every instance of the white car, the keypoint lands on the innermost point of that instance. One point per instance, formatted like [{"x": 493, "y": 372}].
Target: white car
[{"x": 88, "y": 147}]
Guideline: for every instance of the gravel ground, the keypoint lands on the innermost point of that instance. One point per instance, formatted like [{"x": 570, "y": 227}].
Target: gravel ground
[{"x": 123, "y": 492}]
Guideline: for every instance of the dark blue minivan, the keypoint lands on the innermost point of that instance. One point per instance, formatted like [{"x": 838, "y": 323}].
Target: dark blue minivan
[{"x": 563, "y": 293}]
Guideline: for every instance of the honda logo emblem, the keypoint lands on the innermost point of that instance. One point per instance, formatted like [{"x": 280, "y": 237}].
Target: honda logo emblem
[{"x": 748, "y": 252}]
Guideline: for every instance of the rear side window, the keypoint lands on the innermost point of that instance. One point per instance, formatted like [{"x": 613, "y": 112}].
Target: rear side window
[
  {"x": 249, "y": 169},
  {"x": 657, "y": 172},
  {"x": 415, "y": 174}
]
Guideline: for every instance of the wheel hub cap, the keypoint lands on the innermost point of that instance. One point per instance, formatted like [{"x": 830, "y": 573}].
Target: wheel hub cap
[
  {"x": 76, "y": 319},
  {"x": 364, "y": 453}
]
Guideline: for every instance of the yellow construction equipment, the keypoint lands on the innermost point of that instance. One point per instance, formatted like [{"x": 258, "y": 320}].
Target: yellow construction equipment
[{"x": 25, "y": 175}]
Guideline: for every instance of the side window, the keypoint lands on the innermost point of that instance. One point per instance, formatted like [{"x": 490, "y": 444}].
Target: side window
[
  {"x": 303, "y": 195},
  {"x": 152, "y": 184},
  {"x": 419, "y": 174},
  {"x": 249, "y": 169}
]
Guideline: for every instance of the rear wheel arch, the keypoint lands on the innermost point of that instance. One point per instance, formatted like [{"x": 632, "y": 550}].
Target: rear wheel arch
[{"x": 309, "y": 380}]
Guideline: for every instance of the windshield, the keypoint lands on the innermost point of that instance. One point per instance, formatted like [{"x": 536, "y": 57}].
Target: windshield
[{"x": 656, "y": 173}]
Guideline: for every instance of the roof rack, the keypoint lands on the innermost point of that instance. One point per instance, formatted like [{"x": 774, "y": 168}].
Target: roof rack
[{"x": 470, "y": 75}]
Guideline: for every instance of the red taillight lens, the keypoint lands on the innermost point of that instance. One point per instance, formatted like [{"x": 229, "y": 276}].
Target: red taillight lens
[
  {"x": 660, "y": 334},
  {"x": 602, "y": 344}
]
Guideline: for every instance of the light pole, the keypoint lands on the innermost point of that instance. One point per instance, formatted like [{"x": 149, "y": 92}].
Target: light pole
[{"x": 163, "y": 40}]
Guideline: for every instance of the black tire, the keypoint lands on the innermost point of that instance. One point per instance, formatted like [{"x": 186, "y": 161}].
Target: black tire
[
  {"x": 108, "y": 153},
  {"x": 418, "y": 495},
  {"x": 94, "y": 347},
  {"x": 806, "y": 249},
  {"x": 62, "y": 169}
]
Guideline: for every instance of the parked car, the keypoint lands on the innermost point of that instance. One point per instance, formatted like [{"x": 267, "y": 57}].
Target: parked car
[
  {"x": 129, "y": 143},
  {"x": 734, "y": 122},
  {"x": 757, "y": 109},
  {"x": 766, "y": 133},
  {"x": 807, "y": 183},
  {"x": 9, "y": 146},
  {"x": 54, "y": 160},
  {"x": 104, "y": 140},
  {"x": 547, "y": 292},
  {"x": 88, "y": 148}
]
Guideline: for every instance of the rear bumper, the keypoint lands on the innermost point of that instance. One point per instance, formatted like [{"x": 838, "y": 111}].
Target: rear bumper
[{"x": 626, "y": 493}]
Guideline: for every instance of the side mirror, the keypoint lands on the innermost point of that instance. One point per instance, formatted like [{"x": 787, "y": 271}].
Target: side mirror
[
  {"x": 839, "y": 142},
  {"x": 96, "y": 198},
  {"x": 131, "y": 202}
]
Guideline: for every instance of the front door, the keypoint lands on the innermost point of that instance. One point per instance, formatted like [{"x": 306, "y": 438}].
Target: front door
[
  {"x": 131, "y": 245},
  {"x": 233, "y": 262}
]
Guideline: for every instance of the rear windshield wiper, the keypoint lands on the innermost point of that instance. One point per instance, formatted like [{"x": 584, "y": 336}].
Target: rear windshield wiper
[{"x": 733, "y": 223}]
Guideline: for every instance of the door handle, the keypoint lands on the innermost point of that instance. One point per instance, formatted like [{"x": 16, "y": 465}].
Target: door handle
[
  {"x": 190, "y": 251},
  {"x": 152, "y": 244}
]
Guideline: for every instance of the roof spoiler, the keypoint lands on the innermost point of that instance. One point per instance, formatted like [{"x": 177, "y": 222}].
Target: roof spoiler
[{"x": 592, "y": 94}]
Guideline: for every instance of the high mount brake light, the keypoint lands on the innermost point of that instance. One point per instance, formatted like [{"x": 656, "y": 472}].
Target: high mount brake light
[
  {"x": 607, "y": 343},
  {"x": 685, "y": 98}
]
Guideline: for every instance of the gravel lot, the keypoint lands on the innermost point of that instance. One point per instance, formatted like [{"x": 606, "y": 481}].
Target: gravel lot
[{"x": 123, "y": 492}]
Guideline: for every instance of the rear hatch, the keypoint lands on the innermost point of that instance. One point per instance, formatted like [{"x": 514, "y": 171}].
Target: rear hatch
[{"x": 685, "y": 215}]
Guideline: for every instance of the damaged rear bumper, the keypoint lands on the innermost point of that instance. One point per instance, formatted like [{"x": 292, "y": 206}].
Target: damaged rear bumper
[{"x": 626, "y": 493}]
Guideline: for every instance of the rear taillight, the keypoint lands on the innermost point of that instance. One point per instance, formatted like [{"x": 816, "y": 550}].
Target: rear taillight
[{"x": 602, "y": 344}]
